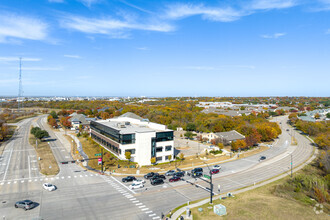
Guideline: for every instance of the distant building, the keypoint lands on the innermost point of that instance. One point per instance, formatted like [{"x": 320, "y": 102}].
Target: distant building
[
  {"x": 77, "y": 120},
  {"x": 230, "y": 113},
  {"x": 225, "y": 137},
  {"x": 129, "y": 132}
]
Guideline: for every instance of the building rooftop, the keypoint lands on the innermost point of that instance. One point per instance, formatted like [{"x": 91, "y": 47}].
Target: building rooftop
[
  {"x": 230, "y": 135},
  {"x": 127, "y": 127}
]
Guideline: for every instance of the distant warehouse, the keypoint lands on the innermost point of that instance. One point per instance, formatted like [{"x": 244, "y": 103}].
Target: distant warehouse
[{"x": 132, "y": 133}]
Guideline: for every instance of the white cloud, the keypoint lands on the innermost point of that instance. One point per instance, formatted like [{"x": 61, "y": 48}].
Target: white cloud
[
  {"x": 224, "y": 13},
  {"x": 9, "y": 59},
  {"x": 88, "y": 3},
  {"x": 272, "y": 4},
  {"x": 273, "y": 36},
  {"x": 73, "y": 56},
  {"x": 111, "y": 27},
  {"x": 179, "y": 11},
  {"x": 15, "y": 26}
]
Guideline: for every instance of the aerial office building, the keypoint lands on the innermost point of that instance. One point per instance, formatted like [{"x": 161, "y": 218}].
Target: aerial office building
[{"x": 132, "y": 133}]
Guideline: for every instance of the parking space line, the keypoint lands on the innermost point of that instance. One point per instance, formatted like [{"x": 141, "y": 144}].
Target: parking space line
[
  {"x": 136, "y": 201},
  {"x": 152, "y": 215},
  {"x": 139, "y": 203},
  {"x": 132, "y": 199},
  {"x": 144, "y": 209},
  {"x": 148, "y": 212},
  {"x": 142, "y": 206},
  {"x": 156, "y": 217}
]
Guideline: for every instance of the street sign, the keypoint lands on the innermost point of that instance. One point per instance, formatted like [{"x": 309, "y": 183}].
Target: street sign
[
  {"x": 97, "y": 154},
  {"x": 207, "y": 176}
]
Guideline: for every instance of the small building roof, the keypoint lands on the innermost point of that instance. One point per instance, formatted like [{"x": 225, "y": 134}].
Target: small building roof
[
  {"x": 230, "y": 135},
  {"x": 130, "y": 115}
]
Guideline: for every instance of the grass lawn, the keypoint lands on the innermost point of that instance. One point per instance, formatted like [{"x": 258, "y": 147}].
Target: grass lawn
[
  {"x": 47, "y": 164},
  {"x": 264, "y": 203}
]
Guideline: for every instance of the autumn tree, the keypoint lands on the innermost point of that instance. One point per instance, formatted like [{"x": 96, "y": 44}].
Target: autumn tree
[
  {"x": 181, "y": 156},
  {"x": 53, "y": 114},
  {"x": 105, "y": 115},
  {"x": 253, "y": 138},
  {"x": 128, "y": 156},
  {"x": 317, "y": 116},
  {"x": 238, "y": 144},
  {"x": 153, "y": 160}
]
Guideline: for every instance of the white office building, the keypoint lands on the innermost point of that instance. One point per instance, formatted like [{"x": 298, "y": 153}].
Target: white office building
[{"x": 132, "y": 133}]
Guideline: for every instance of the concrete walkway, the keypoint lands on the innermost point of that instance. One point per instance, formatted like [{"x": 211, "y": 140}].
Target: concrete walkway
[{"x": 179, "y": 212}]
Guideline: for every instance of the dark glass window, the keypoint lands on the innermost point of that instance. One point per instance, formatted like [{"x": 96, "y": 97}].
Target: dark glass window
[
  {"x": 164, "y": 136},
  {"x": 159, "y": 159},
  {"x": 159, "y": 149},
  {"x": 131, "y": 150},
  {"x": 168, "y": 148}
]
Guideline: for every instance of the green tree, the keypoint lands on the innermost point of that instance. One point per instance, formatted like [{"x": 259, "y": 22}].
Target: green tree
[
  {"x": 53, "y": 114},
  {"x": 34, "y": 130},
  {"x": 41, "y": 134},
  {"x": 181, "y": 156},
  {"x": 128, "y": 156},
  {"x": 191, "y": 127},
  {"x": 169, "y": 158},
  {"x": 189, "y": 134},
  {"x": 328, "y": 115}
]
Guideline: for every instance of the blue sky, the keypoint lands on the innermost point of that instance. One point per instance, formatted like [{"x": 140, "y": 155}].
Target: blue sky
[{"x": 165, "y": 48}]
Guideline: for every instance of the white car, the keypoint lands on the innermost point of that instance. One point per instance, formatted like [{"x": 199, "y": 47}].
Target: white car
[
  {"x": 138, "y": 181},
  {"x": 217, "y": 167},
  {"x": 136, "y": 186},
  {"x": 49, "y": 186}
]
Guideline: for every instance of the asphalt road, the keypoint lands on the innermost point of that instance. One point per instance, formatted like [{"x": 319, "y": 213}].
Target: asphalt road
[{"x": 85, "y": 195}]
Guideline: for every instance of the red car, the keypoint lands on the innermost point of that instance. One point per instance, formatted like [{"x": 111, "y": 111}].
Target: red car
[
  {"x": 214, "y": 171},
  {"x": 175, "y": 178}
]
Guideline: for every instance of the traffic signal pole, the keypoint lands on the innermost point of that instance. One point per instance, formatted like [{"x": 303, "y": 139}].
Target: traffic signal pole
[{"x": 102, "y": 159}]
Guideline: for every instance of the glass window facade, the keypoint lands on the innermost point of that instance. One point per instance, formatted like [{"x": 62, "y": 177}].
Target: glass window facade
[
  {"x": 159, "y": 149},
  {"x": 159, "y": 159},
  {"x": 168, "y": 148},
  {"x": 164, "y": 136},
  {"x": 131, "y": 150},
  {"x": 113, "y": 134}
]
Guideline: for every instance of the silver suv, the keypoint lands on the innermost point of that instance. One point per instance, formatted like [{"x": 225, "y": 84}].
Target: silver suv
[{"x": 25, "y": 204}]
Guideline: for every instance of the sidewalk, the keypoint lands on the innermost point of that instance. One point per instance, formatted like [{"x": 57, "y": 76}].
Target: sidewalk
[{"x": 179, "y": 212}]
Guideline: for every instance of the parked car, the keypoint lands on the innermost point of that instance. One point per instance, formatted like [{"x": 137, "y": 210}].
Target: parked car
[
  {"x": 175, "y": 179},
  {"x": 157, "y": 177},
  {"x": 149, "y": 175},
  {"x": 136, "y": 186},
  {"x": 197, "y": 174},
  {"x": 138, "y": 181},
  {"x": 263, "y": 158},
  {"x": 179, "y": 174},
  {"x": 157, "y": 181},
  {"x": 287, "y": 129},
  {"x": 216, "y": 167},
  {"x": 170, "y": 173},
  {"x": 49, "y": 186},
  {"x": 128, "y": 179},
  {"x": 25, "y": 204},
  {"x": 215, "y": 171}
]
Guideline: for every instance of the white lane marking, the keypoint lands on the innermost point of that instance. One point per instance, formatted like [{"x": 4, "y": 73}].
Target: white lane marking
[
  {"x": 22, "y": 181},
  {"x": 148, "y": 212},
  {"x": 86, "y": 175},
  {"x": 152, "y": 215},
  {"x": 29, "y": 166},
  {"x": 30, "y": 180},
  {"x": 132, "y": 199},
  {"x": 46, "y": 179},
  {"x": 15, "y": 181},
  {"x": 144, "y": 209},
  {"x": 8, "y": 182},
  {"x": 2, "y": 183},
  {"x": 4, "y": 177},
  {"x": 69, "y": 177},
  {"x": 75, "y": 176},
  {"x": 52, "y": 178},
  {"x": 130, "y": 196},
  {"x": 41, "y": 179},
  {"x": 91, "y": 175},
  {"x": 62, "y": 177},
  {"x": 156, "y": 217},
  {"x": 126, "y": 194},
  {"x": 123, "y": 185},
  {"x": 136, "y": 201},
  {"x": 81, "y": 175},
  {"x": 139, "y": 203},
  {"x": 142, "y": 206},
  {"x": 35, "y": 180}
]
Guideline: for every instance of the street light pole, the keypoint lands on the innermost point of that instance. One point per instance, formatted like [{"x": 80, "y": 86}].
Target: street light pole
[{"x": 211, "y": 184}]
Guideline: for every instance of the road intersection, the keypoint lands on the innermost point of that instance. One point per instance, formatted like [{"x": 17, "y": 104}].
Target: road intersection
[{"x": 83, "y": 194}]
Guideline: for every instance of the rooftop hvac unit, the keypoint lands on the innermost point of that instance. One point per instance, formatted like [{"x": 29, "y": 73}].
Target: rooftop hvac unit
[{"x": 127, "y": 123}]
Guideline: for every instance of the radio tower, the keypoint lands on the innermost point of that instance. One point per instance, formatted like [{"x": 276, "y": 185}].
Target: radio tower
[{"x": 20, "y": 91}]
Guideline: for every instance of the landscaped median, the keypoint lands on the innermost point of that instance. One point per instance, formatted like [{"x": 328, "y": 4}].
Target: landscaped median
[{"x": 47, "y": 162}]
